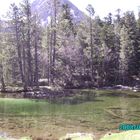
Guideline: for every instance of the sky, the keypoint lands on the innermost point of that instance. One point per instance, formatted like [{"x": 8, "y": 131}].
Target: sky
[{"x": 102, "y": 7}]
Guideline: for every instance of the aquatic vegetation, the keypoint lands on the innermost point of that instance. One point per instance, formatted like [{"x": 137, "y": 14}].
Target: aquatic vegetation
[{"x": 37, "y": 117}]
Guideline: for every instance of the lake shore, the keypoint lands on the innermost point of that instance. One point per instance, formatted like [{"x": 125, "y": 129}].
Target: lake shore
[{"x": 43, "y": 119}]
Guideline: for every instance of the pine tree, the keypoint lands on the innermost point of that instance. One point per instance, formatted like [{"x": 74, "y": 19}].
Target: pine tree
[
  {"x": 2, "y": 80},
  {"x": 123, "y": 62},
  {"x": 27, "y": 14},
  {"x": 16, "y": 21},
  {"x": 91, "y": 11},
  {"x": 132, "y": 47}
]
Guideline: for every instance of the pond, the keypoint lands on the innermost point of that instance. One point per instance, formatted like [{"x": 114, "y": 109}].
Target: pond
[{"x": 43, "y": 119}]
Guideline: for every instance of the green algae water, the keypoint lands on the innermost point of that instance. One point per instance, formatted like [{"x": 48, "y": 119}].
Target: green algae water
[{"x": 40, "y": 118}]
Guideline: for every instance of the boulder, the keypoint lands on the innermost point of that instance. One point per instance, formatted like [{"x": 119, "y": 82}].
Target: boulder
[
  {"x": 78, "y": 136},
  {"x": 127, "y": 135}
]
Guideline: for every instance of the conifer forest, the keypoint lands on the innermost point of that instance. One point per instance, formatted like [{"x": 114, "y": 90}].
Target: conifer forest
[
  {"x": 86, "y": 53},
  {"x": 63, "y": 71}
]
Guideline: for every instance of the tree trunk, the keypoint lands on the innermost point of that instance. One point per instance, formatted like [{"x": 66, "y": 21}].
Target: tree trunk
[
  {"x": 51, "y": 55},
  {"x": 2, "y": 84},
  {"x": 48, "y": 51},
  {"x": 91, "y": 45},
  {"x": 36, "y": 59},
  {"x": 2, "y": 80},
  {"x": 24, "y": 69},
  {"x": 18, "y": 48},
  {"x": 29, "y": 56},
  {"x": 54, "y": 34}
]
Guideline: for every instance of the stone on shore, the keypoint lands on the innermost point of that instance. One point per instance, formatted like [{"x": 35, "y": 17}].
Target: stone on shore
[{"x": 78, "y": 136}]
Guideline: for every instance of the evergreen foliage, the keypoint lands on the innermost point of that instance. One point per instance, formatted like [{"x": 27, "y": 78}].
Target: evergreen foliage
[{"x": 91, "y": 53}]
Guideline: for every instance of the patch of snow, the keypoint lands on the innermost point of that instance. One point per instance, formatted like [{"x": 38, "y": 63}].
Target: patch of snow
[
  {"x": 73, "y": 13},
  {"x": 49, "y": 19}
]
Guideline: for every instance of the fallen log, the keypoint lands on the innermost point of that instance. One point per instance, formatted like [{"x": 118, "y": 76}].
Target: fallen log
[{"x": 113, "y": 114}]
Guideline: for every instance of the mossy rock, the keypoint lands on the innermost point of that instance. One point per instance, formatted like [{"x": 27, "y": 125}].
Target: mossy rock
[
  {"x": 127, "y": 135},
  {"x": 78, "y": 136}
]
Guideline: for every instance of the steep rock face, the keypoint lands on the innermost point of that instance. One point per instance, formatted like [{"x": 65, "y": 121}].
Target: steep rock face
[{"x": 43, "y": 8}]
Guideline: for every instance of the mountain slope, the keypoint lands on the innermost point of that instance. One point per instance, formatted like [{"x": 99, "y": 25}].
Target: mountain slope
[{"x": 43, "y": 8}]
